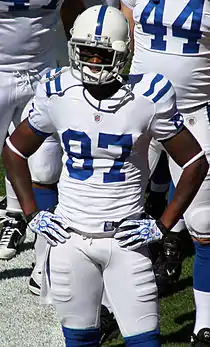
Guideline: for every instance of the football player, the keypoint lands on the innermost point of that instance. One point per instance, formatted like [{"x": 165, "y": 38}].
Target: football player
[
  {"x": 44, "y": 161},
  {"x": 26, "y": 53},
  {"x": 98, "y": 234},
  {"x": 175, "y": 40}
]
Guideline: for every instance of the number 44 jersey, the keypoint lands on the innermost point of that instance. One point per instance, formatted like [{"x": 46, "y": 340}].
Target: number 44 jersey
[
  {"x": 173, "y": 38},
  {"x": 105, "y": 143}
]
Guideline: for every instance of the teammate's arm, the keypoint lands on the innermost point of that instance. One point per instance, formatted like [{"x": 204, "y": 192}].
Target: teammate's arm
[
  {"x": 187, "y": 153},
  {"x": 70, "y": 9},
  {"x": 128, "y": 13},
  {"x": 25, "y": 142}
]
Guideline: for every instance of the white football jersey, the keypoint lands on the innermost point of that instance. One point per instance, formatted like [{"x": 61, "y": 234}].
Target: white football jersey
[
  {"x": 105, "y": 143},
  {"x": 27, "y": 34},
  {"x": 173, "y": 38}
]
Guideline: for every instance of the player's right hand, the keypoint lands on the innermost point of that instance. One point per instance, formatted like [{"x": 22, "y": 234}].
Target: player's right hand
[{"x": 50, "y": 226}]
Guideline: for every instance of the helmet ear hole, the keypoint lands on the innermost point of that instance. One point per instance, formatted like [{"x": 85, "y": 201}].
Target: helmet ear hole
[
  {"x": 99, "y": 45},
  {"x": 119, "y": 46}
]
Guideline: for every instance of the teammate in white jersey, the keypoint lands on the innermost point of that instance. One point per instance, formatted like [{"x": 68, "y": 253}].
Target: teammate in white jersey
[
  {"x": 174, "y": 39},
  {"x": 27, "y": 51},
  {"x": 105, "y": 124}
]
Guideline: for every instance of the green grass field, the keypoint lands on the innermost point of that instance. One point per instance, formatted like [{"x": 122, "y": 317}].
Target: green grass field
[{"x": 177, "y": 310}]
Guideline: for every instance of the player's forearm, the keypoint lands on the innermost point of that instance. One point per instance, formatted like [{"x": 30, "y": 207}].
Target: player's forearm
[
  {"x": 128, "y": 13},
  {"x": 20, "y": 178},
  {"x": 187, "y": 187}
]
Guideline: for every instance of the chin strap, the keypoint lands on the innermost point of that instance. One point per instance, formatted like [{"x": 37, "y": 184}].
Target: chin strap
[{"x": 120, "y": 79}]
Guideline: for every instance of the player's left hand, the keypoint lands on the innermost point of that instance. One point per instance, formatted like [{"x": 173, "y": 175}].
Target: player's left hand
[{"x": 132, "y": 234}]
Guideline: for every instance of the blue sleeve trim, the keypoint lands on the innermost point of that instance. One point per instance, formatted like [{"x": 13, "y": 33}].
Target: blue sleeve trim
[
  {"x": 38, "y": 132},
  {"x": 134, "y": 79},
  {"x": 151, "y": 89},
  {"x": 58, "y": 81},
  {"x": 48, "y": 88},
  {"x": 162, "y": 92}
]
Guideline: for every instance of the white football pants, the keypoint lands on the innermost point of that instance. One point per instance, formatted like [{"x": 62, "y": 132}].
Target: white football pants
[{"x": 79, "y": 270}]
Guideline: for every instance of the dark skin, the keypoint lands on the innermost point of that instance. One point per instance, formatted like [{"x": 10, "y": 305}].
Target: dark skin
[
  {"x": 128, "y": 13},
  {"x": 102, "y": 92},
  {"x": 27, "y": 142},
  {"x": 191, "y": 178}
]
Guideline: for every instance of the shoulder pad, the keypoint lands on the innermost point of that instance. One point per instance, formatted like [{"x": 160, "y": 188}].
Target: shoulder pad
[
  {"x": 151, "y": 85},
  {"x": 156, "y": 86},
  {"x": 52, "y": 81}
]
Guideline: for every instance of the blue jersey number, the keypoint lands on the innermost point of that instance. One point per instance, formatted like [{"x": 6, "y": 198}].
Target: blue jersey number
[
  {"x": 22, "y": 5},
  {"x": 193, "y": 9},
  {"x": 104, "y": 140},
  {"x": 157, "y": 29}
]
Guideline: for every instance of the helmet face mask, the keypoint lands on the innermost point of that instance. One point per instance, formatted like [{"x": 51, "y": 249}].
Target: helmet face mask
[
  {"x": 106, "y": 71},
  {"x": 98, "y": 58}
]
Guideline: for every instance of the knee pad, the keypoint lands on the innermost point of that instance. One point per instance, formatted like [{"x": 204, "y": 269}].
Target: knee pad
[
  {"x": 45, "y": 164},
  {"x": 201, "y": 269},
  {"x": 197, "y": 219},
  {"x": 148, "y": 339},
  {"x": 81, "y": 337}
]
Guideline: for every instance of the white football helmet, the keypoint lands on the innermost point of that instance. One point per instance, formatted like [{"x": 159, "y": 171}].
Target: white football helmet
[{"x": 99, "y": 31}]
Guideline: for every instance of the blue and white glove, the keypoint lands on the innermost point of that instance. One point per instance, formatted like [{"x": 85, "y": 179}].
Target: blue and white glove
[
  {"x": 50, "y": 226},
  {"x": 132, "y": 234}
]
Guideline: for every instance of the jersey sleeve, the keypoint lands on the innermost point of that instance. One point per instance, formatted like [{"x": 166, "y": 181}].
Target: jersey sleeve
[
  {"x": 129, "y": 3},
  {"x": 167, "y": 121},
  {"x": 39, "y": 119}
]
